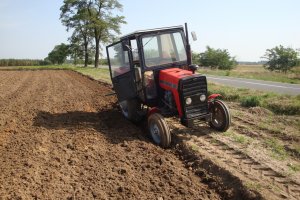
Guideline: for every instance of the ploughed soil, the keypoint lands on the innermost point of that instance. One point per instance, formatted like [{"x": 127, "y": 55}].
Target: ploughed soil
[{"x": 62, "y": 138}]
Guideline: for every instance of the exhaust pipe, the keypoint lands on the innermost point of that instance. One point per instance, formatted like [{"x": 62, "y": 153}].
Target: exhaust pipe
[{"x": 188, "y": 46}]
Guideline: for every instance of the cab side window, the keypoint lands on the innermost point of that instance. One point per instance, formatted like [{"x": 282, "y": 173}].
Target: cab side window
[
  {"x": 119, "y": 62},
  {"x": 135, "y": 52}
]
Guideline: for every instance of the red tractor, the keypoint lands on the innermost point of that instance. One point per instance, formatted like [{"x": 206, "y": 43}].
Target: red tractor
[{"x": 153, "y": 77}]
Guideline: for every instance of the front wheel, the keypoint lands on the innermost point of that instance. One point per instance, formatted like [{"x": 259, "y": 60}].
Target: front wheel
[
  {"x": 159, "y": 130},
  {"x": 220, "y": 116}
]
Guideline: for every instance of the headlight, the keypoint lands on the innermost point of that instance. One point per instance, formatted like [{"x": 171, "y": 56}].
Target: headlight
[
  {"x": 202, "y": 97},
  {"x": 188, "y": 101}
]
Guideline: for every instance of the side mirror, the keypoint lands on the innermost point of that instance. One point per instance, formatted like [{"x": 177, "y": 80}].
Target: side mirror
[
  {"x": 194, "y": 36},
  {"x": 193, "y": 68}
]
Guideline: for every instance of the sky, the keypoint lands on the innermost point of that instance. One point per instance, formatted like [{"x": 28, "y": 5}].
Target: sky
[{"x": 31, "y": 28}]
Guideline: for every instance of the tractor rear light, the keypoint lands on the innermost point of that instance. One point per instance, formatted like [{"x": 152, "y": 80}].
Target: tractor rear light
[
  {"x": 188, "y": 101},
  {"x": 202, "y": 97}
]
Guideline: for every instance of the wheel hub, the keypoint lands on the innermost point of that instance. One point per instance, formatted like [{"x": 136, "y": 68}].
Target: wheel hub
[
  {"x": 218, "y": 116},
  {"x": 155, "y": 133}
]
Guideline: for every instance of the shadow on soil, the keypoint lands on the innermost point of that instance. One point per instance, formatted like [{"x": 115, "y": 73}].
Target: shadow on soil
[
  {"x": 109, "y": 122},
  {"x": 116, "y": 129}
]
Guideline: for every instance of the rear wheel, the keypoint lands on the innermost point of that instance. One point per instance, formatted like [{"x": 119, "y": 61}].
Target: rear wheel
[
  {"x": 131, "y": 110},
  {"x": 220, "y": 119},
  {"x": 159, "y": 130}
]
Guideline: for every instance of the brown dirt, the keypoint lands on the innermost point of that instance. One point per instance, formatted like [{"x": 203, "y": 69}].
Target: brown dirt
[{"x": 62, "y": 138}]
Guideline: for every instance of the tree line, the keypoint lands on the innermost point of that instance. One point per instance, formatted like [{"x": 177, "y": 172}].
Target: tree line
[
  {"x": 22, "y": 62},
  {"x": 279, "y": 58}
]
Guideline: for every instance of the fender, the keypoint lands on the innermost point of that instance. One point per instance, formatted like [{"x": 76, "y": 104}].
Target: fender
[
  {"x": 152, "y": 111},
  {"x": 213, "y": 96}
]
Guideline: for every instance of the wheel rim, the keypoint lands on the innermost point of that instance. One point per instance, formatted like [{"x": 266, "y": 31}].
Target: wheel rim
[
  {"x": 217, "y": 117},
  {"x": 124, "y": 108},
  {"x": 155, "y": 133}
]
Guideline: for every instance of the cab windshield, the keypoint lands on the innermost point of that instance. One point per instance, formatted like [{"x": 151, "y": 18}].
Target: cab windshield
[{"x": 163, "y": 49}]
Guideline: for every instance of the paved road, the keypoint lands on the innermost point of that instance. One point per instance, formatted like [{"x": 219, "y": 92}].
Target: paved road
[{"x": 282, "y": 88}]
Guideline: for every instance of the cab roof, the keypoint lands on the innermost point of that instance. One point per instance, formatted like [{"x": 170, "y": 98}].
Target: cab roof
[{"x": 140, "y": 32}]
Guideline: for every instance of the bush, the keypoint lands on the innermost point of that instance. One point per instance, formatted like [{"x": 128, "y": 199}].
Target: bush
[
  {"x": 217, "y": 58},
  {"x": 281, "y": 59},
  {"x": 250, "y": 101}
]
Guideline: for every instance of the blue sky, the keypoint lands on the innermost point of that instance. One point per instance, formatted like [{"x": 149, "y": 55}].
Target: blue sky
[{"x": 31, "y": 28}]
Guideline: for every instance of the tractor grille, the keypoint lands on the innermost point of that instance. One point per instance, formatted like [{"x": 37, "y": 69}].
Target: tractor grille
[{"x": 193, "y": 87}]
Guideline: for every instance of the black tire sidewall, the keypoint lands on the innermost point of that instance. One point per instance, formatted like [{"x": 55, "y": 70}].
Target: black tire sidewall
[
  {"x": 225, "y": 112},
  {"x": 133, "y": 106}
]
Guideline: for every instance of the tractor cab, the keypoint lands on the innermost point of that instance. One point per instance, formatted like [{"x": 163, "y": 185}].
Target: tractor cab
[
  {"x": 152, "y": 76},
  {"x": 138, "y": 57}
]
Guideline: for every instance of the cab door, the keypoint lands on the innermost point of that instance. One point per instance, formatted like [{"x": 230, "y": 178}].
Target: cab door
[{"x": 121, "y": 72}]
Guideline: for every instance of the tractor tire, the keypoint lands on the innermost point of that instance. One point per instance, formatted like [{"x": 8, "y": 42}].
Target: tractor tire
[
  {"x": 220, "y": 116},
  {"x": 159, "y": 130},
  {"x": 131, "y": 110}
]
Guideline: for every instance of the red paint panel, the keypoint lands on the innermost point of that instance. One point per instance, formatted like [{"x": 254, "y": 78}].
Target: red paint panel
[{"x": 169, "y": 79}]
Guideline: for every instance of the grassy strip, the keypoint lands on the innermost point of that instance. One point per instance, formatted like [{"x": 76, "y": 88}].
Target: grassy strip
[
  {"x": 257, "y": 72},
  {"x": 96, "y": 73},
  {"x": 279, "y": 104}
]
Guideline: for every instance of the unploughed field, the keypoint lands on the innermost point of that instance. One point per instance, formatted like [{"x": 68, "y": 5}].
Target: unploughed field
[
  {"x": 61, "y": 137},
  {"x": 257, "y": 72}
]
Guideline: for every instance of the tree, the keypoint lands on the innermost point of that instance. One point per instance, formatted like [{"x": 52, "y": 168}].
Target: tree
[
  {"x": 103, "y": 22},
  {"x": 196, "y": 58},
  {"x": 97, "y": 16},
  {"x": 217, "y": 58},
  {"x": 281, "y": 59},
  {"x": 80, "y": 49},
  {"x": 74, "y": 15},
  {"x": 59, "y": 54},
  {"x": 76, "y": 49}
]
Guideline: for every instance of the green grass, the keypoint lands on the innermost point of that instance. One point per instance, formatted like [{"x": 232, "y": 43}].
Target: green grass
[
  {"x": 242, "y": 139},
  {"x": 253, "y": 186},
  {"x": 279, "y": 104},
  {"x": 96, "y": 73},
  {"x": 277, "y": 149},
  {"x": 250, "y": 101},
  {"x": 194, "y": 147},
  {"x": 294, "y": 167},
  {"x": 228, "y": 133},
  {"x": 256, "y": 72}
]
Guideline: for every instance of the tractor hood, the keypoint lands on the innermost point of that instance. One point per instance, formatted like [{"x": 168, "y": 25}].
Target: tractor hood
[{"x": 169, "y": 78}]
